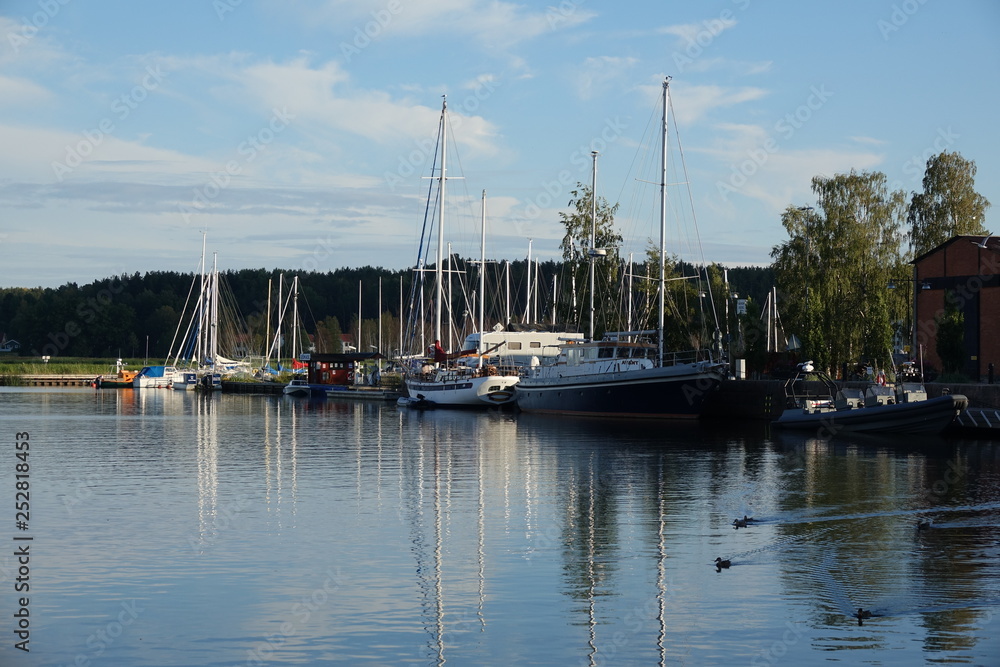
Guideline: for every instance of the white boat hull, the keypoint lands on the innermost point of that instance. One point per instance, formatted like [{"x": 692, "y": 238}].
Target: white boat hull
[{"x": 468, "y": 392}]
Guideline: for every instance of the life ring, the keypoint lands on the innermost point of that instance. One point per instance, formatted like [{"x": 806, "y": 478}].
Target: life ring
[
  {"x": 350, "y": 377},
  {"x": 880, "y": 378}
]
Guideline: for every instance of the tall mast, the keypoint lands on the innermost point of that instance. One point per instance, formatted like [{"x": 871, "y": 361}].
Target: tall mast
[
  {"x": 663, "y": 221},
  {"x": 506, "y": 321},
  {"x": 295, "y": 317},
  {"x": 214, "y": 345},
  {"x": 439, "y": 265},
  {"x": 202, "y": 306},
  {"x": 593, "y": 239},
  {"x": 482, "y": 283},
  {"x": 527, "y": 293}
]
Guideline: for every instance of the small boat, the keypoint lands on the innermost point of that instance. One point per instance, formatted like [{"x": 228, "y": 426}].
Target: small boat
[
  {"x": 121, "y": 378},
  {"x": 815, "y": 403},
  {"x": 443, "y": 375},
  {"x": 154, "y": 377}
]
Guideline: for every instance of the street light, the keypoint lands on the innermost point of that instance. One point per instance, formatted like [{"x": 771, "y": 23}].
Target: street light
[{"x": 924, "y": 285}]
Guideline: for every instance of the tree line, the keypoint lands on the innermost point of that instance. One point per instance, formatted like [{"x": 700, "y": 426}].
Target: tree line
[{"x": 140, "y": 315}]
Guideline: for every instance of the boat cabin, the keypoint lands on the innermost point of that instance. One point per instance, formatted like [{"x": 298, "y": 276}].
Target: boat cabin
[{"x": 336, "y": 369}]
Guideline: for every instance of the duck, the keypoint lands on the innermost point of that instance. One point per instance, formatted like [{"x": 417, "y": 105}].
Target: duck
[
  {"x": 923, "y": 525},
  {"x": 739, "y": 523},
  {"x": 748, "y": 519},
  {"x": 862, "y": 615},
  {"x": 720, "y": 564}
]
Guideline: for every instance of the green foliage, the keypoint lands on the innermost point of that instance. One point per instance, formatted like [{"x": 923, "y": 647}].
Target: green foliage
[
  {"x": 834, "y": 270},
  {"x": 949, "y": 204},
  {"x": 580, "y": 224}
]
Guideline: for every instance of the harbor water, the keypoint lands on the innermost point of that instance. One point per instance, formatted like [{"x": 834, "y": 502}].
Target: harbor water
[{"x": 175, "y": 528}]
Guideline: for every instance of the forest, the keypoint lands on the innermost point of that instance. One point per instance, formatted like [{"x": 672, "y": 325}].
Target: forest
[{"x": 138, "y": 315}]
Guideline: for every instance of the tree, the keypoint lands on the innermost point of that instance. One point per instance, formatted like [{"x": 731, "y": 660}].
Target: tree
[
  {"x": 328, "y": 336},
  {"x": 836, "y": 266},
  {"x": 576, "y": 246},
  {"x": 949, "y": 204}
]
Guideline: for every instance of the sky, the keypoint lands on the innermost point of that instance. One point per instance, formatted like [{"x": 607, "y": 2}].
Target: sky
[{"x": 298, "y": 134}]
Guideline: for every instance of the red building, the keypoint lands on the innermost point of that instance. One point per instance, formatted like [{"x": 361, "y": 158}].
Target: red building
[{"x": 963, "y": 272}]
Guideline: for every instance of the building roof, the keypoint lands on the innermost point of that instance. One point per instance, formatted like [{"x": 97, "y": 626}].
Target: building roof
[{"x": 993, "y": 243}]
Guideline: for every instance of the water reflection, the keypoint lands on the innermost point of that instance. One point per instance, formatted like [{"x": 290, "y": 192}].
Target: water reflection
[{"x": 468, "y": 538}]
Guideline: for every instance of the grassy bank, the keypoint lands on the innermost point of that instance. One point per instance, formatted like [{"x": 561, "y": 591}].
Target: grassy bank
[{"x": 14, "y": 366}]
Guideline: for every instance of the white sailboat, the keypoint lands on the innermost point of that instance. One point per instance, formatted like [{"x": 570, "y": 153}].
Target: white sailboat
[
  {"x": 623, "y": 375},
  {"x": 196, "y": 362},
  {"x": 444, "y": 381}
]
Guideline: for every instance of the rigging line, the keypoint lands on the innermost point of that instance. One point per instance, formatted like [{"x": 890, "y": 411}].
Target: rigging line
[
  {"x": 417, "y": 284},
  {"x": 694, "y": 216}
]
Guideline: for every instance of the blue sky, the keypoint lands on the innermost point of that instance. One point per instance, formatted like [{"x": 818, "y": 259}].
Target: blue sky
[{"x": 296, "y": 132}]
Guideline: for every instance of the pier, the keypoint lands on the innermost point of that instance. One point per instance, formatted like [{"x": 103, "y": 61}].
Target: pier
[{"x": 47, "y": 380}]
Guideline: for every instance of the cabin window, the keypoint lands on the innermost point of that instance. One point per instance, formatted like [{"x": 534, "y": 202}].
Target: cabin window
[
  {"x": 534, "y": 344},
  {"x": 516, "y": 345},
  {"x": 605, "y": 352}
]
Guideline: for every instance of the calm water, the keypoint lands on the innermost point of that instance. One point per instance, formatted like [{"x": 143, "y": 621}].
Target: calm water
[{"x": 176, "y": 529}]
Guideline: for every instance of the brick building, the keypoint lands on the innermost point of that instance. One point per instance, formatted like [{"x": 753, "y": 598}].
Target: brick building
[{"x": 964, "y": 271}]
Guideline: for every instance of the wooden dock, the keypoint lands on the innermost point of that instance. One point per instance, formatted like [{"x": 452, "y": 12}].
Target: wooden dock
[
  {"x": 47, "y": 380},
  {"x": 978, "y": 421}
]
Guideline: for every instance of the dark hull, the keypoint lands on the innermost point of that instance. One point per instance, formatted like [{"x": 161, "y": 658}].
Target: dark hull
[
  {"x": 928, "y": 417},
  {"x": 648, "y": 394}
]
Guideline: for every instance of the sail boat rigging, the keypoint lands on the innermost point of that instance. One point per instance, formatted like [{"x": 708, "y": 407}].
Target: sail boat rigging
[
  {"x": 443, "y": 380},
  {"x": 622, "y": 374}
]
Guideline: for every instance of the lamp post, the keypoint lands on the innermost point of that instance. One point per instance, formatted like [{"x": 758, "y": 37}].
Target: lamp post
[{"x": 923, "y": 285}]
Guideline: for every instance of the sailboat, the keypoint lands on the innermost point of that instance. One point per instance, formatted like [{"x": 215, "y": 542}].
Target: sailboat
[
  {"x": 623, "y": 374},
  {"x": 452, "y": 380},
  {"x": 200, "y": 343}
]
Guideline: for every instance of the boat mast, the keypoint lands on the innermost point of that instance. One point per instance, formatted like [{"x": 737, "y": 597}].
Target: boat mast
[
  {"x": 663, "y": 221},
  {"x": 295, "y": 318},
  {"x": 214, "y": 310},
  {"x": 482, "y": 284},
  {"x": 593, "y": 238},
  {"x": 202, "y": 340},
  {"x": 439, "y": 266},
  {"x": 506, "y": 321},
  {"x": 527, "y": 293}
]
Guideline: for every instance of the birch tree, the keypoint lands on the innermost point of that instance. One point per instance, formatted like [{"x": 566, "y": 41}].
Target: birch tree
[
  {"x": 835, "y": 268},
  {"x": 949, "y": 204}
]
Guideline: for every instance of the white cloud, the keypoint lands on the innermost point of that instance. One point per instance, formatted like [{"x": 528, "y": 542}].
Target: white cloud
[
  {"x": 692, "y": 103},
  {"x": 699, "y": 33},
  {"x": 21, "y": 92},
  {"x": 493, "y": 25},
  {"x": 595, "y": 73}
]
